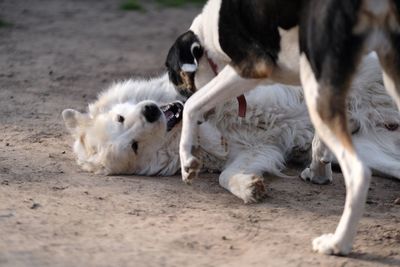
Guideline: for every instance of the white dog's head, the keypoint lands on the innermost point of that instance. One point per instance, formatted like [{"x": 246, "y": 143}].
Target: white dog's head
[{"x": 127, "y": 138}]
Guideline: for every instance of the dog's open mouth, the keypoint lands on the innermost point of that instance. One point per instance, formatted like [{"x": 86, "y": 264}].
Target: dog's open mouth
[{"x": 173, "y": 114}]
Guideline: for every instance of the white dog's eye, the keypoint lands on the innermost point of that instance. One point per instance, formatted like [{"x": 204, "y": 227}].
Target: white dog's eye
[
  {"x": 135, "y": 146},
  {"x": 120, "y": 119},
  {"x": 391, "y": 126}
]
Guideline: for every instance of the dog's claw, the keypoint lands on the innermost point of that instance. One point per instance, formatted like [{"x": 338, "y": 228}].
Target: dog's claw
[{"x": 191, "y": 170}]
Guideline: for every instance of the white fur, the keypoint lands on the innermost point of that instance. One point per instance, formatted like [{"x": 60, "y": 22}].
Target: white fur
[
  {"x": 288, "y": 70},
  {"x": 276, "y": 127},
  {"x": 206, "y": 28},
  {"x": 189, "y": 67}
]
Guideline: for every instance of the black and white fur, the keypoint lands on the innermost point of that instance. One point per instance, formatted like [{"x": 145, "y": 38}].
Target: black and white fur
[{"x": 277, "y": 41}]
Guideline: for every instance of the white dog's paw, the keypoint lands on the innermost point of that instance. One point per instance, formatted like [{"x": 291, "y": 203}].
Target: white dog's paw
[
  {"x": 250, "y": 188},
  {"x": 317, "y": 177},
  {"x": 328, "y": 244},
  {"x": 190, "y": 169}
]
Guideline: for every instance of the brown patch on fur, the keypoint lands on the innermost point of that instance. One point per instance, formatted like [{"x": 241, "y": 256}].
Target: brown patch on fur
[
  {"x": 208, "y": 114},
  {"x": 332, "y": 110},
  {"x": 392, "y": 20},
  {"x": 390, "y": 63},
  {"x": 195, "y": 163},
  {"x": 82, "y": 140},
  {"x": 188, "y": 87},
  {"x": 89, "y": 150},
  {"x": 196, "y": 151},
  {"x": 367, "y": 19},
  {"x": 255, "y": 68},
  {"x": 259, "y": 191},
  {"x": 224, "y": 143}
]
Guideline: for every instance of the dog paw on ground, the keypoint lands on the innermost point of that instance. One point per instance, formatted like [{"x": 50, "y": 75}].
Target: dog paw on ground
[
  {"x": 317, "y": 177},
  {"x": 329, "y": 245}
]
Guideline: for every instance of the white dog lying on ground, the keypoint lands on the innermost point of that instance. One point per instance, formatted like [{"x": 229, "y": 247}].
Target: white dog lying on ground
[{"x": 134, "y": 128}]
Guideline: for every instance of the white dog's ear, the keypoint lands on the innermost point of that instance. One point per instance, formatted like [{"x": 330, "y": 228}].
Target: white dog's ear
[{"x": 74, "y": 119}]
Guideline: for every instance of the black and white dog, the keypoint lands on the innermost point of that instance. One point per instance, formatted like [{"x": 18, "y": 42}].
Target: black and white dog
[{"x": 277, "y": 41}]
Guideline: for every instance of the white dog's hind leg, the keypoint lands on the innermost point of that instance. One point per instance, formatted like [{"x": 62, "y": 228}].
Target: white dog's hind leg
[
  {"x": 247, "y": 186},
  {"x": 332, "y": 129},
  {"x": 242, "y": 179},
  {"x": 320, "y": 170},
  {"x": 227, "y": 84},
  {"x": 243, "y": 175},
  {"x": 385, "y": 161}
]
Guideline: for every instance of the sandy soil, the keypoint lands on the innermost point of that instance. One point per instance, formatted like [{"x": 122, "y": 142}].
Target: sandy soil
[{"x": 60, "y": 54}]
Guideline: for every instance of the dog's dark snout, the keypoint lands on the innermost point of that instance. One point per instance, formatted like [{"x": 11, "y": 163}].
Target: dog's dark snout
[{"x": 151, "y": 112}]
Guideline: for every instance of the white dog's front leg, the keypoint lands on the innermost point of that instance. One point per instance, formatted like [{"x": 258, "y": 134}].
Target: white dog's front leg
[
  {"x": 226, "y": 85},
  {"x": 320, "y": 170}
]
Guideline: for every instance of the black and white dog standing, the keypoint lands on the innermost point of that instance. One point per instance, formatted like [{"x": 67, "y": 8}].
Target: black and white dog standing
[{"x": 257, "y": 41}]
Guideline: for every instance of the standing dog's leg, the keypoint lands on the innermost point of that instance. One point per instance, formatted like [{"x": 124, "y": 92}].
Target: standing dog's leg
[
  {"x": 326, "y": 104},
  {"x": 320, "y": 170},
  {"x": 226, "y": 85},
  {"x": 390, "y": 61},
  {"x": 330, "y": 50}
]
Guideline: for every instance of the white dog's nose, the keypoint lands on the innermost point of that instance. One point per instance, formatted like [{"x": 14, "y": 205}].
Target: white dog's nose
[{"x": 151, "y": 112}]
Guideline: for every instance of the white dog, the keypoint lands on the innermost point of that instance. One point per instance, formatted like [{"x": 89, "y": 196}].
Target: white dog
[{"x": 134, "y": 128}]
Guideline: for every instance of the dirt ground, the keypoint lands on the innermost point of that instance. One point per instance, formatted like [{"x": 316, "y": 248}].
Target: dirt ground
[{"x": 59, "y": 54}]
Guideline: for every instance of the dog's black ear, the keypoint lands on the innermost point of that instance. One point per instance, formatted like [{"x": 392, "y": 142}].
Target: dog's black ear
[{"x": 182, "y": 62}]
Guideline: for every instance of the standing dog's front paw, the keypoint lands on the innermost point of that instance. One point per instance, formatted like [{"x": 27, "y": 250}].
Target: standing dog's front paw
[
  {"x": 317, "y": 177},
  {"x": 190, "y": 169},
  {"x": 328, "y": 244}
]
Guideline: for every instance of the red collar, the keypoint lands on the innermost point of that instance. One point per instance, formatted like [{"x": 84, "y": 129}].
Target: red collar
[{"x": 241, "y": 99}]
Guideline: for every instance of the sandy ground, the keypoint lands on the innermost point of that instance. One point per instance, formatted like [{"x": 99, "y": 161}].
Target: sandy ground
[{"x": 60, "y": 54}]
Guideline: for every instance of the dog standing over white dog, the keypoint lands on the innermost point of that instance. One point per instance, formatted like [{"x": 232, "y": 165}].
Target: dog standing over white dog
[
  {"x": 134, "y": 128},
  {"x": 278, "y": 41}
]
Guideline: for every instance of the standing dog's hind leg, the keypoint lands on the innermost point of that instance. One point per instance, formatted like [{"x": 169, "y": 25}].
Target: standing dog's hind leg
[
  {"x": 390, "y": 61},
  {"x": 326, "y": 105}
]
